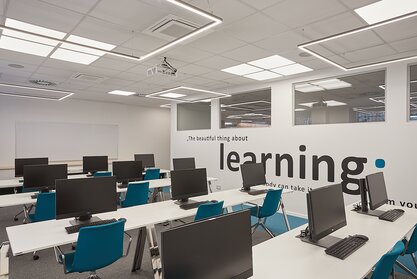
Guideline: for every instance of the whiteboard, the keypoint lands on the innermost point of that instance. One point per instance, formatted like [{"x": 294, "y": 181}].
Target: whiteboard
[{"x": 65, "y": 141}]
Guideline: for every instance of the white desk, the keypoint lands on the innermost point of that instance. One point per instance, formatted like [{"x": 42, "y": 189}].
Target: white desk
[
  {"x": 49, "y": 234},
  {"x": 14, "y": 183},
  {"x": 292, "y": 258}
]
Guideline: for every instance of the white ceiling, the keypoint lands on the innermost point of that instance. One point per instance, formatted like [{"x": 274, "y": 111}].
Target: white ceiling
[{"x": 251, "y": 29}]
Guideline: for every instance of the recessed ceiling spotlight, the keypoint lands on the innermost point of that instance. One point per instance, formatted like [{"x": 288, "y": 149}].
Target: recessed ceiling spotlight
[{"x": 17, "y": 66}]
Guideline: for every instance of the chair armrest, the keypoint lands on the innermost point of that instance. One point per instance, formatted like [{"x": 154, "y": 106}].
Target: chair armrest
[{"x": 128, "y": 246}]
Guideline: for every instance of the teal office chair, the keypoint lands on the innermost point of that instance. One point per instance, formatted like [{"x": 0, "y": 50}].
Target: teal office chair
[
  {"x": 152, "y": 174},
  {"x": 268, "y": 208},
  {"x": 44, "y": 210},
  {"x": 97, "y": 247},
  {"x": 208, "y": 210},
  {"x": 25, "y": 208},
  {"x": 102, "y": 173},
  {"x": 385, "y": 266},
  {"x": 136, "y": 194},
  {"x": 410, "y": 249}
]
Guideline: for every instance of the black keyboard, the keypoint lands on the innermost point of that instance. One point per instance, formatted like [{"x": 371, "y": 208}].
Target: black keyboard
[
  {"x": 187, "y": 206},
  {"x": 76, "y": 228},
  {"x": 391, "y": 215},
  {"x": 257, "y": 192},
  {"x": 345, "y": 247}
]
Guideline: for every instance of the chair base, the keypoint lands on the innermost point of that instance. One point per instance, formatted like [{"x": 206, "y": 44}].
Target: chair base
[{"x": 261, "y": 223}]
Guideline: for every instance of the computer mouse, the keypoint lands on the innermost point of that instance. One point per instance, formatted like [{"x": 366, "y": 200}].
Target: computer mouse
[
  {"x": 364, "y": 237},
  {"x": 400, "y": 210},
  {"x": 213, "y": 201}
]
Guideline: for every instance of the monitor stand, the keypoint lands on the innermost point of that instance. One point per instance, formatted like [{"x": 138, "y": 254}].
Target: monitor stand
[
  {"x": 184, "y": 201},
  {"x": 253, "y": 192},
  {"x": 85, "y": 219},
  {"x": 375, "y": 213},
  {"x": 325, "y": 242}
]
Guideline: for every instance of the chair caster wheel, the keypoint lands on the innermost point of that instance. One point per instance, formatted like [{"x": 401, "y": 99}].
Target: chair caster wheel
[
  {"x": 15, "y": 219},
  {"x": 35, "y": 257}
]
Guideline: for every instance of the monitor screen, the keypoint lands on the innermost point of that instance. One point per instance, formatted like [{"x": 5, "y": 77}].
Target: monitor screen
[
  {"x": 253, "y": 174},
  {"x": 148, "y": 160},
  {"x": 84, "y": 196},
  {"x": 218, "y": 248},
  {"x": 42, "y": 177},
  {"x": 377, "y": 190},
  {"x": 128, "y": 170},
  {"x": 188, "y": 183},
  {"x": 20, "y": 162},
  {"x": 95, "y": 163},
  {"x": 326, "y": 211},
  {"x": 183, "y": 163}
]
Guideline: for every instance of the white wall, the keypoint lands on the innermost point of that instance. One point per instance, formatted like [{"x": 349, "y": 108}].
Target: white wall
[
  {"x": 392, "y": 140},
  {"x": 141, "y": 129}
]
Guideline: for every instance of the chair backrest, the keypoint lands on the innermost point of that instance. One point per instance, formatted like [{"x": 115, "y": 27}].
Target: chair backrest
[
  {"x": 384, "y": 266},
  {"x": 152, "y": 174},
  {"x": 102, "y": 173},
  {"x": 412, "y": 243},
  {"x": 45, "y": 207},
  {"x": 208, "y": 210},
  {"x": 99, "y": 246},
  {"x": 271, "y": 203},
  {"x": 137, "y": 194}
]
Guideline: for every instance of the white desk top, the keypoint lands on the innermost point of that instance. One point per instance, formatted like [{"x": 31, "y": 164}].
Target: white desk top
[
  {"x": 25, "y": 198},
  {"x": 293, "y": 258},
  {"x": 47, "y": 234},
  {"x": 14, "y": 183}
]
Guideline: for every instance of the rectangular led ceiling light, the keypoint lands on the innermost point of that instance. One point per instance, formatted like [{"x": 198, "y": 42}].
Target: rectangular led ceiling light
[
  {"x": 74, "y": 56},
  {"x": 306, "y": 88},
  {"x": 271, "y": 62},
  {"x": 122, "y": 93},
  {"x": 330, "y": 84},
  {"x": 307, "y": 46},
  {"x": 386, "y": 9},
  {"x": 187, "y": 95},
  {"x": 264, "y": 75},
  {"x": 172, "y": 95},
  {"x": 35, "y": 92},
  {"x": 214, "y": 21},
  {"x": 291, "y": 69},
  {"x": 242, "y": 69}
]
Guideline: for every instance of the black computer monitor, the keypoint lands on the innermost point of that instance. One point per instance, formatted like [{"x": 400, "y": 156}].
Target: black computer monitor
[
  {"x": 326, "y": 213},
  {"x": 19, "y": 163},
  {"x": 188, "y": 183},
  {"x": 252, "y": 174},
  {"x": 95, "y": 163},
  {"x": 376, "y": 190},
  {"x": 183, "y": 163},
  {"x": 148, "y": 160},
  {"x": 42, "y": 177},
  {"x": 82, "y": 197},
  {"x": 126, "y": 171},
  {"x": 218, "y": 248}
]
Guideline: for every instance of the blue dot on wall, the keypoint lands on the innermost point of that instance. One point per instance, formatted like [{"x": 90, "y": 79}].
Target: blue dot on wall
[{"x": 380, "y": 163}]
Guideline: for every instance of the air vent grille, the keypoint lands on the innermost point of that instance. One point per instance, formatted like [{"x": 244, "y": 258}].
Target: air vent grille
[{"x": 171, "y": 27}]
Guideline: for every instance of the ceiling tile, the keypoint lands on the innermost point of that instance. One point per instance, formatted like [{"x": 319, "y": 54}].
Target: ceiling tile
[
  {"x": 369, "y": 53},
  {"x": 81, "y": 6},
  {"x": 283, "y": 42},
  {"x": 405, "y": 45},
  {"x": 114, "y": 64},
  {"x": 354, "y": 4},
  {"x": 217, "y": 42},
  {"x": 144, "y": 42},
  {"x": 297, "y": 13},
  {"x": 193, "y": 69},
  {"x": 261, "y": 4},
  {"x": 247, "y": 53},
  {"x": 217, "y": 62},
  {"x": 187, "y": 53},
  {"x": 254, "y": 28},
  {"x": 218, "y": 75},
  {"x": 43, "y": 14}
]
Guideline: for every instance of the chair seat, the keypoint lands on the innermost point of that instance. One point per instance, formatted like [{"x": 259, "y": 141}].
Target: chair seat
[{"x": 69, "y": 260}]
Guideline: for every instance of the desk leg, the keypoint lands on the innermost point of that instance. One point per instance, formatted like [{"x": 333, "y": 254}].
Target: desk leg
[
  {"x": 284, "y": 213},
  {"x": 4, "y": 260},
  {"x": 140, "y": 247},
  {"x": 155, "y": 195},
  {"x": 209, "y": 185},
  {"x": 154, "y": 251}
]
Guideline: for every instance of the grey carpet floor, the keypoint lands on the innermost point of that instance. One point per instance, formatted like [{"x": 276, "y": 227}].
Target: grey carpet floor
[{"x": 24, "y": 267}]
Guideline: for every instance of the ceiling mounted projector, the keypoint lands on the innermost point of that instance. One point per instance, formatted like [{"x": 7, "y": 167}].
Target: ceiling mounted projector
[{"x": 164, "y": 68}]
